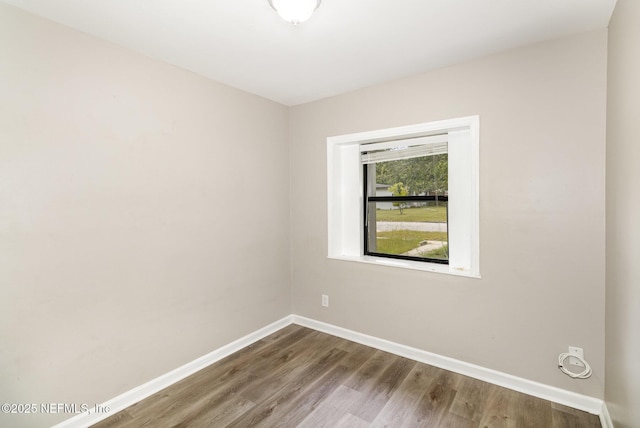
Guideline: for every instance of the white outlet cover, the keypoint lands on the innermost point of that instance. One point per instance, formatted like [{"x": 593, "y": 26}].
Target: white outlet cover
[
  {"x": 579, "y": 352},
  {"x": 325, "y": 300}
]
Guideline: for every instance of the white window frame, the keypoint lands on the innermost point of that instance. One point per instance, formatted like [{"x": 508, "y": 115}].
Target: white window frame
[{"x": 345, "y": 193}]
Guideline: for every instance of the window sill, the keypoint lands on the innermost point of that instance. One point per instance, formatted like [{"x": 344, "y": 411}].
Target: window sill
[{"x": 408, "y": 264}]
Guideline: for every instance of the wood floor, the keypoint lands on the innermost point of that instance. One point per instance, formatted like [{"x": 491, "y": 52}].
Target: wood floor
[{"x": 299, "y": 377}]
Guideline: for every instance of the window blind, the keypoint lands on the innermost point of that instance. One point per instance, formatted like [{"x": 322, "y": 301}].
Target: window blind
[{"x": 403, "y": 149}]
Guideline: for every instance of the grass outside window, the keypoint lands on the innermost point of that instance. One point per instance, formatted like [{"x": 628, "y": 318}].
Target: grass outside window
[{"x": 431, "y": 214}]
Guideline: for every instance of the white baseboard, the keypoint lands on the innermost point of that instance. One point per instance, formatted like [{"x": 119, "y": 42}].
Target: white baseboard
[
  {"x": 141, "y": 392},
  {"x": 605, "y": 417},
  {"x": 557, "y": 395}
]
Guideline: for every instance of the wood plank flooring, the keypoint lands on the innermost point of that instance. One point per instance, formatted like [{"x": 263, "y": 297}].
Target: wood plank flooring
[{"x": 298, "y": 377}]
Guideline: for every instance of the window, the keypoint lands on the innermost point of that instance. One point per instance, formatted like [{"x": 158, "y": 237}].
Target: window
[{"x": 407, "y": 197}]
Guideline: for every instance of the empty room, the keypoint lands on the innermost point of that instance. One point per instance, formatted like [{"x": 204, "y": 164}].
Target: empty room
[{"x": 319, "y": 213}]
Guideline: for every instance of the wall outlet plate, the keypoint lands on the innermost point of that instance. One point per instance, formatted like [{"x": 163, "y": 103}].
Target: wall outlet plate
[
  {"x": 325, "y": 300},
  {"x": 579, "y": 352}
]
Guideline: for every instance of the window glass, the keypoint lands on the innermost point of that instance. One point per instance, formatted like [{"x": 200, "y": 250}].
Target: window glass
[{"x": 406, "y": 207}]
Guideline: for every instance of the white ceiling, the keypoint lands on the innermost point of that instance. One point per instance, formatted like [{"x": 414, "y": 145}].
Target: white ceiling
[{"x": 347, "y": 44}]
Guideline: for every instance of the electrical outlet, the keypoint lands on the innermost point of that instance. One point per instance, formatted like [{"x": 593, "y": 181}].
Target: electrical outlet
[
  {"x": 579, "y": 352},
  {"x": 325, "y": 300}
]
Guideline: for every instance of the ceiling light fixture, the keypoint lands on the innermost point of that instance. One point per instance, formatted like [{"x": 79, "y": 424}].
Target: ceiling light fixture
[{"x": 295, "y": 11}]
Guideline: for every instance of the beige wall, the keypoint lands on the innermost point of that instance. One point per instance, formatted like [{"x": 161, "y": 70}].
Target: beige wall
[
  {"x": 623, "y": 205},
  {"x": 135, "y": 232},
  {"x": 542, "y": 225}
]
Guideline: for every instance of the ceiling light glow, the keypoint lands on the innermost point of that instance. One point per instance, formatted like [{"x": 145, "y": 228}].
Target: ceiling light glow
[{"x": 295, "y": 11}]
